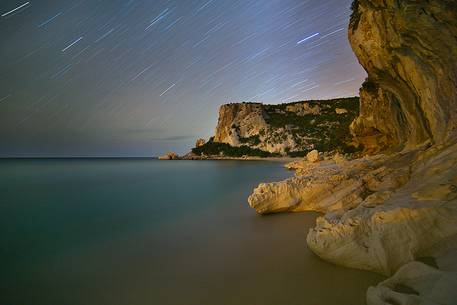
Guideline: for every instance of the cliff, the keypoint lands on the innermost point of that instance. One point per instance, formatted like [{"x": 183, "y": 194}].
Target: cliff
[
  {"x": 408, "y": 49},
  {"x": 286, "y": 129},
  {"x": 394, "y": 213}
]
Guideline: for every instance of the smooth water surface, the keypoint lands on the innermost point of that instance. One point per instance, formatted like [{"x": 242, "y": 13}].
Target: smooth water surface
[{"x": 140, "y": 231}]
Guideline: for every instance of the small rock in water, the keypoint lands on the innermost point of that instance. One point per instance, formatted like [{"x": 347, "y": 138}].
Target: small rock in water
[{"x": 169, "y": 156}]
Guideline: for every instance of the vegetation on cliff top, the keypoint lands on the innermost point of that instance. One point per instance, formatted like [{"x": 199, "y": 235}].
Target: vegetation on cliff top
[
  {"x": 326, "y": 131},
  {"x": 212, "y": 148}
]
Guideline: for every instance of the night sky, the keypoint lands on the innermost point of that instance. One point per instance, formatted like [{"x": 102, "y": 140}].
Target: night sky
[{"x": 138, "y": 78}]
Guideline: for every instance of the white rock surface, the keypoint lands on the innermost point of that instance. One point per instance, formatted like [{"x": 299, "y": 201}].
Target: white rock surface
[{"x": 416, "y": 284}]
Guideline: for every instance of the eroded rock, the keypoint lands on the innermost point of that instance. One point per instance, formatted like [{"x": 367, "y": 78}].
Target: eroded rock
[
  {"x": 416, "y": 283},
  {"x": 408, "y": 49},
  {"x": 324, "y": 186},
  {"x": 383, "y": 213}
]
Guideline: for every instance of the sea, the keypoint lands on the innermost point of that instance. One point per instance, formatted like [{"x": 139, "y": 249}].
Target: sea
[{"x": 149, "y": 232}]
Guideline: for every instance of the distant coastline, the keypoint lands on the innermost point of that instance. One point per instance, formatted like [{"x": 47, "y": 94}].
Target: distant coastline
[{"x": 247, "y": 158}]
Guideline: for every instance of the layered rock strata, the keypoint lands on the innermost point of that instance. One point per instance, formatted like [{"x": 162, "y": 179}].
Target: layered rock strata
[{"x": 408, "y": 49}]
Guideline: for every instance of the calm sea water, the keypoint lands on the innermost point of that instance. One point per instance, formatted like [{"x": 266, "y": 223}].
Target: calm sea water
[{"x": 138, "y": 232}]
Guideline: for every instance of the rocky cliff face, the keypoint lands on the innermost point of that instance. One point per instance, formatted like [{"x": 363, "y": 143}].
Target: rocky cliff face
[
  {"x": 287, "y": 128},
  {"x": 408, "y": 49},
  {"x": 393, "y": 213},
  {"x": 240, "y": 120}
]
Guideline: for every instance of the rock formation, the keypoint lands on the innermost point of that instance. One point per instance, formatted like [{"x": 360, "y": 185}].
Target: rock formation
[
  {"x": 169, "y": 156},
  {"x": 313, "y": 156},
  {"x": 287, "y": 129},
  {"x": 408, "y": 49},
  {"x": 381, "y": 212},
  {"x": 239, "y": 120},
  {"x": 200, "y": 142},
  {"x": 394, "y": 213},
  {"x": 418, "y": 283}
]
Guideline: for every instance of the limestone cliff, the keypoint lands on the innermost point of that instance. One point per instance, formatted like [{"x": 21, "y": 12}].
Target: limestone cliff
[
  {"x": 394, "y": 213},
  {"x": 408, "y": 49},
  {"x": 240, "y": 120},
  {"x": 287, "y": 129}
]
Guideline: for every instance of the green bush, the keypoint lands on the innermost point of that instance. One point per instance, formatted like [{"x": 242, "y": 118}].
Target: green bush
[
  {"x": 222, "y": 149},
  {"x": 329, "y": 129},
  {"x": 297, "y": 154},
  {"x": 253, "y": 140}
]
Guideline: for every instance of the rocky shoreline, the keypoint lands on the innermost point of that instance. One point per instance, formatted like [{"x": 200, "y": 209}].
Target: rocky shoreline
[
  {"x": 312, "y": 156},
  {"x": 393, "y": 211},
  {"x": 384, "y": 213},
  {"x": 190, "y": 157}
]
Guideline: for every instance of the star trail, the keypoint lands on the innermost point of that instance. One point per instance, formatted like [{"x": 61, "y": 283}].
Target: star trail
[{"x": 137, "y": 77}]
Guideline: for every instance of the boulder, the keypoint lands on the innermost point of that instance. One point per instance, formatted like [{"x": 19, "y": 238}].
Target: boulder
[
  {"x": 302, "y": 109},
  {"x": 340, "y": 111},
  {"x": 313, "y": 156}
]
